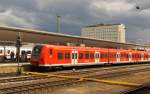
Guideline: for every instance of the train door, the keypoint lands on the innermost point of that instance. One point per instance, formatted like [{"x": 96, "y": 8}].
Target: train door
[
  {"x": 97, "y": 55},
  {"x": 74, "y": 57},
  {"x": 118, "y": 57},
  {"x": 142, "y": 56},
  {"x": 130, "y": 56}
]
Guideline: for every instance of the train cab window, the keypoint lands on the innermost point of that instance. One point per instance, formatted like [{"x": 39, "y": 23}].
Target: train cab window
[
  {"x": 37, "y": 50},
  {"x": 50, "y": 51},
  {"x": 92, "y": 56},
  {"x": 80, "y": 55},
  {"x": 67, "y": 55},
  {"x": 60, "y": 56}
]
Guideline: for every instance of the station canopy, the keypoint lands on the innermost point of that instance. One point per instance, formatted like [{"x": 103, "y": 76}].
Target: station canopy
[{"x": 9, "y": 34}]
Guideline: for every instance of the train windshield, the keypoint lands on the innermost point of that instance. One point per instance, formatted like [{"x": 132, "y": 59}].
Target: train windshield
[{"x": 37, "y": 50}]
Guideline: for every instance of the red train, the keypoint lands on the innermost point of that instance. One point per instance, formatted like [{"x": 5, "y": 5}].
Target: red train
[{"x": 52, "y": 55}]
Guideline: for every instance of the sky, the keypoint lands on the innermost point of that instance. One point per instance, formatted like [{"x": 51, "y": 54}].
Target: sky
[{"x": 75, "y": 14}]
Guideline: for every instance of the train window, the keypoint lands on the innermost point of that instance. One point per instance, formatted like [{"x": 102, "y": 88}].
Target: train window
[
  {"x": 127, "y": 56},
  {"x": 139, "y": 56},
  {"x": 113, "y": 55},
  {"x": 87, "y": 56},
  {"x": 67, "y": 55},
  {"x": 133, "y": 55},
  {"x": 121, "y": 55},
  {"x": 8, "y": 51},
  {"x": 1, "y": 51},
  {"x": 102, "y": 55},
  {"x": 92, "y": 56},
  {"x": 110, "y": 55},
  {"x": 106, "y": 56},
  {"x": 80, "y": 55},
  {"x": 60, "y": 56},
  {"x": 146, "y": 56},
  {"x": 50, "y": 52}
]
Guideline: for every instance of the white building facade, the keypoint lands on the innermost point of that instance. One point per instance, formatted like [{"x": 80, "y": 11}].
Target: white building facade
[{"x": 109, "y": 32}]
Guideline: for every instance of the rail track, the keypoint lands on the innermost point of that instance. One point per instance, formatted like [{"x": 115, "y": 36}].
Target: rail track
[
  {"x": 22, "y": 78},
  {"x": 83, "y": 72},
  {"x": 43, "y": 82}
]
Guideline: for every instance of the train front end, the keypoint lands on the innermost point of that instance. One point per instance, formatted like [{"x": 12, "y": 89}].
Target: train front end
[{"x": 36, "y": 55}]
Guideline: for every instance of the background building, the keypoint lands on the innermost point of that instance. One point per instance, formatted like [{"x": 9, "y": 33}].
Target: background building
[{"x": 110, "y": 32}]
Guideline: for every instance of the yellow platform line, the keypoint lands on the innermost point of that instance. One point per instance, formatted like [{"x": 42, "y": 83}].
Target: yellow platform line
[{"x": 89, "y": 79}]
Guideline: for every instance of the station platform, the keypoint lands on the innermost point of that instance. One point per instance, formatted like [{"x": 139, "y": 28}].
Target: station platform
[
  {"x": 12, "y": 67},
  {"x": 14, "y": 64}
]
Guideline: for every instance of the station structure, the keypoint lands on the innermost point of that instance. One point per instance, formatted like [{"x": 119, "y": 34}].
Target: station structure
[{"x": 8, "y": 36}]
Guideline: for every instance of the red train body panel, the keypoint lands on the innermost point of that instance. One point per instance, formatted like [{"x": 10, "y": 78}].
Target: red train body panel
[{"x": 52, "y": 55}]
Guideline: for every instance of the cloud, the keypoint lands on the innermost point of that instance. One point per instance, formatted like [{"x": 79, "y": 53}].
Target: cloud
[
  {"x": 8, "y": 18},
  {"x": 112, "y": 7},
  {"x": 75, "y": 14}
]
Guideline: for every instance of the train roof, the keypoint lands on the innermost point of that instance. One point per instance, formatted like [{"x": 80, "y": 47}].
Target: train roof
[{"x": 87, "y": 48}]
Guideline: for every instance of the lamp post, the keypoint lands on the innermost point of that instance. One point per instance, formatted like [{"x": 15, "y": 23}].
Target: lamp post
[
  {"x": 58, "y": 23},
  {"x": 18, "y": 45}
]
